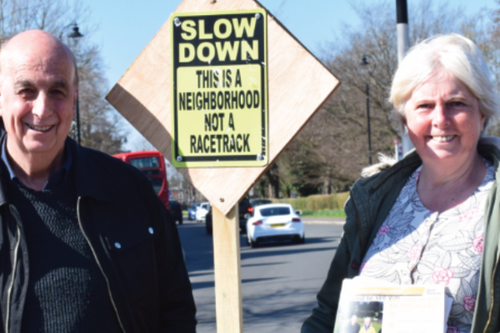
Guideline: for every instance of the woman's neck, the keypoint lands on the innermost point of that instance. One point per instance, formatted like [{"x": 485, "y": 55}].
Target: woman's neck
[{"x": 441, "y": 188}]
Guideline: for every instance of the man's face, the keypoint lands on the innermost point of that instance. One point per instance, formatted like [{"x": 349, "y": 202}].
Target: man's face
[{"x": 37, "y": 98}]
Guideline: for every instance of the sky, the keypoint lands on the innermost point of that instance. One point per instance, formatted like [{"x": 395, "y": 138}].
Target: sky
[{"x": 125, "y": 27}]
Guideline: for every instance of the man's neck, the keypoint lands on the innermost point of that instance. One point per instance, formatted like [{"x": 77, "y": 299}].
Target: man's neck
[{"x": 34, "y": 170}]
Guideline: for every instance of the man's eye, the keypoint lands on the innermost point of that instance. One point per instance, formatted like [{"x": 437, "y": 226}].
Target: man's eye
[
  {"x": 58, "y": 93},
  {"x": 26, "y": 91}
]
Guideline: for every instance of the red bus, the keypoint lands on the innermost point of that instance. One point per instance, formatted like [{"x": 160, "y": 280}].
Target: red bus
[{"x": 152, "y": 164}]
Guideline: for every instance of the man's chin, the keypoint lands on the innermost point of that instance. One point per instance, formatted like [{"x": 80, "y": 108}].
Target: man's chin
[{"x": 42, "y": 148}]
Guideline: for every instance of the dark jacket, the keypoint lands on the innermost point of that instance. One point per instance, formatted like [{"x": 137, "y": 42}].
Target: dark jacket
[
  {"x": 369, "y": 204},
  {"x": 132, "y": 237}
]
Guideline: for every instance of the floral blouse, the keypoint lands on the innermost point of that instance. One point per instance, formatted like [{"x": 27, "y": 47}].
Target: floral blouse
[{"x": 417, "y": 246}]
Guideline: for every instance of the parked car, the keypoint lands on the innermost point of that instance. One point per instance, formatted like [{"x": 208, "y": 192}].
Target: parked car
[
  {"x": 175, "y": 210},
  {"x": 258, "y": 202},
  {"x": 208, "y": 222},
  {"x": 192, "y": 211},
  {"x": 202, "y": 211},
  {"x": 275, "y": 222},
  {"x": 245, "y": 210}
]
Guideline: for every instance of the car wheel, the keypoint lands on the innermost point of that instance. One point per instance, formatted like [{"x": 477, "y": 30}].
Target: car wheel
[
  {"x": 299, "y": 240},
  {"x": 180, "y": 221},
  {"x": 208, "y": 229},
  {"x": 253, "y": 244}
]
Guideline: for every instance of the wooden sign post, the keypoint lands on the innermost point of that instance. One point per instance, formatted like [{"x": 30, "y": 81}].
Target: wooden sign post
[{"x": 297, "y": 86}]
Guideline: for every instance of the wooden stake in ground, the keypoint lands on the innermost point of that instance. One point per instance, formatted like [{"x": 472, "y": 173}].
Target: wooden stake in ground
[{"x": 226, "y": 233}]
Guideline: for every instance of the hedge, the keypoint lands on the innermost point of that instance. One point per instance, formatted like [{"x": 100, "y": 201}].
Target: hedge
[{"x": 317, "y": 202}]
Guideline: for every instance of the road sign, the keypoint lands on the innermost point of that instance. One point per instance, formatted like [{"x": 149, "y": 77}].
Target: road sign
[
  {"x": 298, "y": 86},
  {"x": 219, "y": 89}
]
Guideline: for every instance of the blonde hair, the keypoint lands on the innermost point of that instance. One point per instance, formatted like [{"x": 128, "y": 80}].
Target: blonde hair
[{"x": 452, "y": 53}]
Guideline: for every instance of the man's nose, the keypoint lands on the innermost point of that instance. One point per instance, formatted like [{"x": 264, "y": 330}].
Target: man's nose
[{"x": 42, "y": 106}]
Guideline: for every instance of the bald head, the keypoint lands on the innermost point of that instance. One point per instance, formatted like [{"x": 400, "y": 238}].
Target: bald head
[{"x": 32, "y": 42}]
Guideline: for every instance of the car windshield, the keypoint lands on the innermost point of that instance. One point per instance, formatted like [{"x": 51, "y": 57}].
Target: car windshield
[
  {"x": 260, "y": 202},
  {"x": 275, "y": 211}
]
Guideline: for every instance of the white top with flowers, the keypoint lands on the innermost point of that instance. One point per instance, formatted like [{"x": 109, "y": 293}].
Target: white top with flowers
[{"x": 417, "y": 246}]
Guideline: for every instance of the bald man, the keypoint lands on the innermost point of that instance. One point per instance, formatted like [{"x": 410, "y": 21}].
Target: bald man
[{"x": 85, "y": 243}]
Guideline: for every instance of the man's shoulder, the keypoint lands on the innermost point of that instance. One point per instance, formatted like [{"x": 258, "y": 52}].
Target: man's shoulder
[{"x": 94, "y": 165}]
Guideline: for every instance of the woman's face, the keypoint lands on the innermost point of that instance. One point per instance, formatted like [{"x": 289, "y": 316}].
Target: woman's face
[{"x": 443, "y": 120}]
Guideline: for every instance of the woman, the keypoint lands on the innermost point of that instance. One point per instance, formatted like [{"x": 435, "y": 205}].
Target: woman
[{"x": 433, "y": 217}]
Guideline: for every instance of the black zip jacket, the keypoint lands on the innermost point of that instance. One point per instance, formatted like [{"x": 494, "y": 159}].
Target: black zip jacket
[{"x": 132, "y": 237}]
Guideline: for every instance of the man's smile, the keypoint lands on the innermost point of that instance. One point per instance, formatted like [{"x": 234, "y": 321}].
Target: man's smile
[{"x": 39, "y": 128}]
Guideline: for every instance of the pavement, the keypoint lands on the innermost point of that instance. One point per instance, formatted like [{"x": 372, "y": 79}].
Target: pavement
[{"x": 279, "y": 281}]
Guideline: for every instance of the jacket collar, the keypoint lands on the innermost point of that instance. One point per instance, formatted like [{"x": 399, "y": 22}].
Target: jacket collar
[
  {"x": 375, "y": 196},
  {"x": 90, "y": 181}
]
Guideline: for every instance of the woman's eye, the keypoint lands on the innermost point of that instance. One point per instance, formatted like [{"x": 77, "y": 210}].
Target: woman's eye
[{"x": 457, "y": 104}]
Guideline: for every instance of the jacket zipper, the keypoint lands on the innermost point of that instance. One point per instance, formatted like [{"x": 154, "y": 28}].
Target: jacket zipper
[
  {"x": 98, "y": 264},
  {"x": 492, "y": 300},
  {"x": 14, "y": 269}
]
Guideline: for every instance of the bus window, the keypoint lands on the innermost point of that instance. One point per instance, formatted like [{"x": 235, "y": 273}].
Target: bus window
[{"x": 145, "y": 162}]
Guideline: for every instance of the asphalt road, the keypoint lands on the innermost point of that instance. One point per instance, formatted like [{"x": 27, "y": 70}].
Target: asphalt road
[{"x": 279, "y": 282}]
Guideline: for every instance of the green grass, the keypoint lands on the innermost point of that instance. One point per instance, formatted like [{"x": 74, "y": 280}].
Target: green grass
[{"x": 325, "y": 213}]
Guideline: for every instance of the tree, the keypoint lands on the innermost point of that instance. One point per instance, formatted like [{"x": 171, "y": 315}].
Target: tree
[
  {"x": 98, "y": 122},
  {"x": 331, "y": 150}
]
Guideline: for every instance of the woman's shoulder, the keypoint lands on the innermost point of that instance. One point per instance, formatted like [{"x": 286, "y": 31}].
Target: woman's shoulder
[{"x": 385, "y": 162}]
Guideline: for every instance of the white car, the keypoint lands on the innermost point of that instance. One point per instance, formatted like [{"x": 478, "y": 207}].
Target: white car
[
  {"x": 274, "y": 222},
  {"x": 201, "y": 211}
]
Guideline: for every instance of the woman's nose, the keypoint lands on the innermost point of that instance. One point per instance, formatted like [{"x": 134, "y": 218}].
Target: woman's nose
[{"x": 440, "y": 116}]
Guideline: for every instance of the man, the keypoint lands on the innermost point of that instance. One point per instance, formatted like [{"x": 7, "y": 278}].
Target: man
[
  {"x": 352, "y": 326},
  {"x": 367, "y": 327},
  {"x": 85, "y": 244}
]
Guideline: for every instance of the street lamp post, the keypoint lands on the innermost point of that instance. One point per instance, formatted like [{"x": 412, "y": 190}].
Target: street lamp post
[
  {"x": 364, "y": 65},
  {"x": 75, "y": 34}
]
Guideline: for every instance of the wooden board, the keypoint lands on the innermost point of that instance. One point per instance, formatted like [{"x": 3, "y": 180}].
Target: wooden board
[{"x": 298, "y": 85}]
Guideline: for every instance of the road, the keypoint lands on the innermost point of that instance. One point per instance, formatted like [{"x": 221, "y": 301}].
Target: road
[{"x": 279, "y": 282}]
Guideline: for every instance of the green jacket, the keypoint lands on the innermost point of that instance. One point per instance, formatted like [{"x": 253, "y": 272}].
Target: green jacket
[{"x": 369, "y": 203}]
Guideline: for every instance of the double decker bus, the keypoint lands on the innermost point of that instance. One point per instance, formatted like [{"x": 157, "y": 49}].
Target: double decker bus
[{"x": 152, "y": 164}]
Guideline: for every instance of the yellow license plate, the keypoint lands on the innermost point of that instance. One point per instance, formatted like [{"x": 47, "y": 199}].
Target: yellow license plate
[{"x": 277, "y": 225}]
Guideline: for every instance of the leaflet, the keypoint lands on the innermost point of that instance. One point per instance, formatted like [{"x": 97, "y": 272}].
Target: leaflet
[{"x": 369, "y": 306}]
